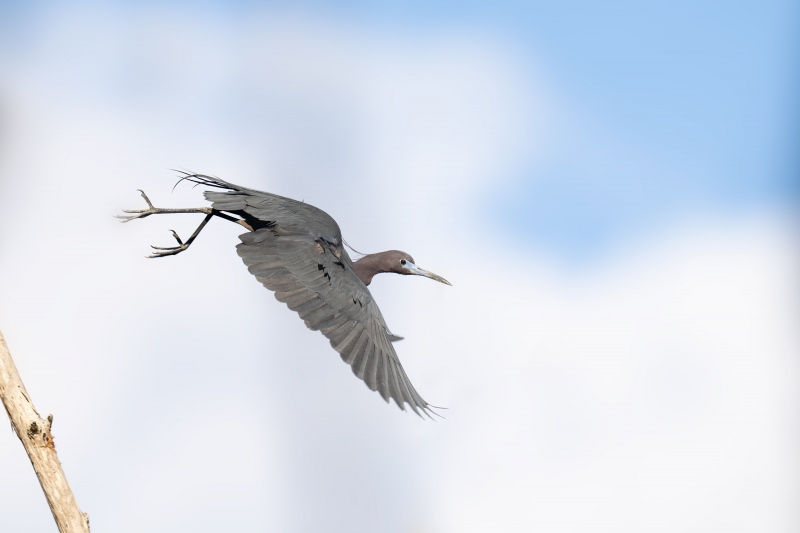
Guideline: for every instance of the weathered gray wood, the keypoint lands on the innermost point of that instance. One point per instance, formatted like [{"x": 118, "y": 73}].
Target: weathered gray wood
[{"x": 34, "y": 432}]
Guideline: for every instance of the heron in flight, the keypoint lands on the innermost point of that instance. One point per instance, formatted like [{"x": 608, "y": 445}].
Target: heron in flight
[{"x": 297, "y": 251}]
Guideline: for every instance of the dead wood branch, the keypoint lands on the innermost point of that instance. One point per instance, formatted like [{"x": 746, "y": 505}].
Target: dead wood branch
[{"x": 34, "y": 432}]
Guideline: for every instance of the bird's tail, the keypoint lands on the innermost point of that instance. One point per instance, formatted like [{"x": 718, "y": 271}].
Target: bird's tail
[
  {"x": 231, "y": 200},
  {"x": 208, "y": 181}
]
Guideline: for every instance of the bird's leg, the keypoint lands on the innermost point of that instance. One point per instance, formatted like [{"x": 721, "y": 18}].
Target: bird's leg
[{"x": 152, "y": 210}]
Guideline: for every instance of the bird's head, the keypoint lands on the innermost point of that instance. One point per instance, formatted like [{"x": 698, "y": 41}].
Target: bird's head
[{"x": 402, "y": 263}]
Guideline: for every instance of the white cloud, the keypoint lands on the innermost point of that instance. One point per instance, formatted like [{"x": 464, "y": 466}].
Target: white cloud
[{"x": 655, "y": 396}]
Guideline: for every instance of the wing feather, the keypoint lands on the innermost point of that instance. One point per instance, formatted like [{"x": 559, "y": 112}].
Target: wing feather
[
  {"x": 296, "y": 303},
  {"x": 371, "y": 367},
  {"x": 339, "y": 334},
  {"x": 394, "y": 385},
  {"x": 382, "y": 383},
  {"x": 329, "y": 324},
  {"x": 351, "y": 353}
]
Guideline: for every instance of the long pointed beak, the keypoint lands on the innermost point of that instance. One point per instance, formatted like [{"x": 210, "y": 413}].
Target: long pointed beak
[{"x": 422, "y": 272}]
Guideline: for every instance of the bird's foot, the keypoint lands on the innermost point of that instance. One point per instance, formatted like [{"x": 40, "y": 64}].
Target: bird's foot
[
  {"x": 139, "y": 213},
  {"x": 171, "y": 250},
  {"x": 133, "y": 214}
]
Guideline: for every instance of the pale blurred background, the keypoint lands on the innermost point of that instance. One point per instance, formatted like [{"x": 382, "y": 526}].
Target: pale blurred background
[{"x": 611, "y": 188}]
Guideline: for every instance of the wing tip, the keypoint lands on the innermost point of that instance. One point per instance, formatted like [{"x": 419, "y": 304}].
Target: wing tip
[{"x": 427, "y": 410}]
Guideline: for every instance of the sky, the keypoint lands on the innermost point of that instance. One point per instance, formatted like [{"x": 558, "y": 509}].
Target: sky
[{"x": 611, "y": 190}]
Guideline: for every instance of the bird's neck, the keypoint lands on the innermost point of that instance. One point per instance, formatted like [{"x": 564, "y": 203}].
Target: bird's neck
[{"x": 369, "y": 265}]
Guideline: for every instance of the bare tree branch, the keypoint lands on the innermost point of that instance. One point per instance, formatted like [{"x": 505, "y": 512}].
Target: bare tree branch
[{"x": 34, "y": 432}]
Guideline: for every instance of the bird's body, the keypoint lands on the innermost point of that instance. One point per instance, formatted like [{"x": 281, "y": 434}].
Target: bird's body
[{"x": 297, "y": 251}]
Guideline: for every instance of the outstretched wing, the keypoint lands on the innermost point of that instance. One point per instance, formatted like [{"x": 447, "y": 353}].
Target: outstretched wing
[
  {"x": 319, "y": 286},
  {"x": 296, "y": 251}
]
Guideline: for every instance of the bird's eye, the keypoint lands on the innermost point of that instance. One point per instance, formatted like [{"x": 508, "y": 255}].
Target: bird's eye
[{"x": 403, "y": 261}]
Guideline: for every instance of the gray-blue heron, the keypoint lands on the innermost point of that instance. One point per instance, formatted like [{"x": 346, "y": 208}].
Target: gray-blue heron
[{"x": 297, "y": 251}]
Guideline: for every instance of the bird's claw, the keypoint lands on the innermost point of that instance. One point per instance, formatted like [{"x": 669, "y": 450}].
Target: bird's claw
[
  {"x": 138, "y": 213},
  {"x": 164, "y": 252},
  {"x": 133, "y": 214},
  {"x": 180, "y": 242},
  {"x": 170, "y": 250}
]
